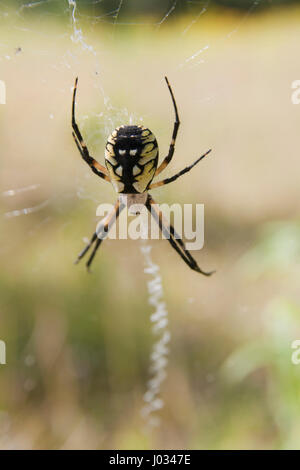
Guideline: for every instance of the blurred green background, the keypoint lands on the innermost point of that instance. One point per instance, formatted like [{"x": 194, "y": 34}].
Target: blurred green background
[
  {"x": 132, "y": 7},
  {"x": 78, "y": 345}
]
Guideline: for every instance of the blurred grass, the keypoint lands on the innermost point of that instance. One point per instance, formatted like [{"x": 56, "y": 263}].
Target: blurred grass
[{"x": 78, "y": 345}]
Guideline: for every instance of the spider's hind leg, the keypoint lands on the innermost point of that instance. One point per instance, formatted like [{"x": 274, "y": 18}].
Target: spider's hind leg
[
  {"x": 86, "y": 248},
  {"x": 173, "y": 238},
  {"x": 100, "y": 234}
]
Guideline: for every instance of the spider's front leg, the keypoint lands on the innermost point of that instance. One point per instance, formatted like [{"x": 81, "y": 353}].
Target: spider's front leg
[
  {"x": 173, "y": 238},
  {"x": 169, "y": 157},
  {"x": 98, "y": 169}
]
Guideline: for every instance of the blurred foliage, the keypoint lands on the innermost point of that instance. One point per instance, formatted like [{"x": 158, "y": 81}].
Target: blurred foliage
[
  {"x": 271, "y": 355},
  {"x": 145, "y": 7},
  {"x": 246, "y": 4},
  {"x": 277, "y": 249},
  {"x": 78, "y": 345}
]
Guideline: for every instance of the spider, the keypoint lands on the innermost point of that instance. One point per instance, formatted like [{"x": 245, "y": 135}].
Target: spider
[{"x": 131, "y": 159}]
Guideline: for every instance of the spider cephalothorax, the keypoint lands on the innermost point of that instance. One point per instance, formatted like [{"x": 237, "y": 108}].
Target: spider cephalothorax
[{"x": 131, "y": 157}]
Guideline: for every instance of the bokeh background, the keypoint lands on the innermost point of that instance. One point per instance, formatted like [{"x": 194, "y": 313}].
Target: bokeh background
[{"x": 78, "y": 345}]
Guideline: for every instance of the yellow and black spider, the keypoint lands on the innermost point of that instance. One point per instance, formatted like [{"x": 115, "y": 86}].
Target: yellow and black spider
[{"x": 131, "y": 159}]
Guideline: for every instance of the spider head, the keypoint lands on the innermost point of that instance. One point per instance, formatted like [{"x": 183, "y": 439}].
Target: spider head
[{"x": 131, "y": 157}]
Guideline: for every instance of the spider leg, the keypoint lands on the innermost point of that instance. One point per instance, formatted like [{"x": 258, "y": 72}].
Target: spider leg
[
  {"x": 101, "y": 233},
  {"x": 168, "y": 158},
  {"x": 173, "y": 238},
  {"x": 182, "y": 172},
  {"x": 86, "y": 248},
  {"x": 100, "y": 170},
  {"x": 98, "y": 243}
]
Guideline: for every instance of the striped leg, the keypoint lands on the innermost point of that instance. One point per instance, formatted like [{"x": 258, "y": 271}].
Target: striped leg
[
  {"x": 101, "y": 234},
  {"x": 182, "y": 172},
  {"x": 100, "y": 170},
  {"x": 168, "y": 158},
  {"x": 170, "y": 233}
]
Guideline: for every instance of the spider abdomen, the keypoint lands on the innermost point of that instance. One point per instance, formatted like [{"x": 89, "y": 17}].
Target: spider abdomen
[{"x": 131, "y": 158}]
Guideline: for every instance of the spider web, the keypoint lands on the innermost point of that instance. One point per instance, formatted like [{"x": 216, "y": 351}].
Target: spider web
[
  {"x": 26, "y": 21},
  {"x": 82, "y": 17}
]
